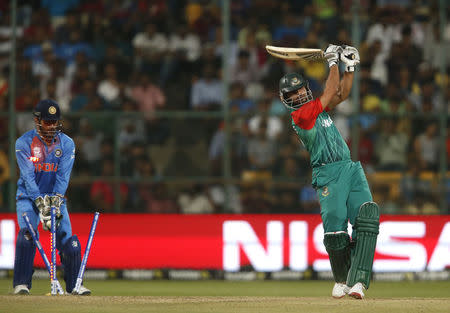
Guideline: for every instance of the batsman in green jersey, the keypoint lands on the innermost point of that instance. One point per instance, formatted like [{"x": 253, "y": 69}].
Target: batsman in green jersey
[{"x": 340, "y": 183}]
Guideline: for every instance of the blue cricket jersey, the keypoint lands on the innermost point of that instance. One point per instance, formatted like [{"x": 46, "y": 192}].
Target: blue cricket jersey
[{"x": 43, "y": 169}]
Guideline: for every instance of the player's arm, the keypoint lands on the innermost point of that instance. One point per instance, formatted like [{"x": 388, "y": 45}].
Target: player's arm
[
  {"x": 350, "y": 57},
  {"x": 26, "y": 167},
  {"x": 64, "y": 167},
  {"x": 332, "y": 85},
  {"x": 345, "y": 86},
  {"x": 63, "y": 176}
]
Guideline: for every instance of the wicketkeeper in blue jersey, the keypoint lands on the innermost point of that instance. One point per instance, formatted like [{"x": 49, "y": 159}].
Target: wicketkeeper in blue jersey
[{"x": 45, "y": 157}]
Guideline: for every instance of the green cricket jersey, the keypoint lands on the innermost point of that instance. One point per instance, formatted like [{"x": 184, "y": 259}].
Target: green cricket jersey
[{"x": 319, "y": 135}]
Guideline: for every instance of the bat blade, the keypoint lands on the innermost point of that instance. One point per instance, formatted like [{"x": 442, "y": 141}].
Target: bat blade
[{"x": 295, "y": 53}]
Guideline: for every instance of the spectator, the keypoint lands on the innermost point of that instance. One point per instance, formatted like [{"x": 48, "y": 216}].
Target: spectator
[
  {"x": 49, "y": 91},
  {"x": 184, "y": 49},
  {"x": 150, "y": 48},
  {"x": 71, "y": 23},
  {"x": 447, "y": 144},
  {"x": 434, "y": 46},
  {"x": 81, "y": 75},
  {"x": 382, "y": 194},
  {"x": 63, "y": 92},
  {"x": 327, "y": 13},
  {"x": 394, "y": 102},
  {"x": 129, "y": 135},
  {"x": 290, "y": 170},
  {"x": 261, "y": 150},
  {"x": 5, "y": 37},
  {"x": 58, "y": 9},
  {"x": 309, "y": 200},
  {"x": 110, "y": 88},
  {"x": 378, "y": 67},
  {"x": 415, "y": 190},
  {"x": 4, "y": 121},
  {"x": 80, "y": 61},
  {"x": 42, "y": 67},
  {"x": 365, "y": 150},
  {"x": 76, "y": 44},
  {"x": 220, "y": 193},
  {"x": 78, "y": 191},
  {"x": 238, "y": 142},
  {"x": 384, "y": 31},
  {"x": 287, "y": 202},
  {"x": 130, "y": 160},
  {"x": 147, "y": 95},
  {"x": 113, "y": 54},
  {"x": 157, "y": 200},
  {"x": 392, "y": 146},
  {"x": 219, "y": 46},
  {"x": 207, "y": 22},
  {"x": 129, "y": 106},
  {"x": 88, "y": 144},
  {"x": 274, "y": 123},
  {"x": 404, "y": 52},
  {"x": 26, "y": 102},
  {"x": 427, "y": 99},
  {"x": 4, "y": 176},
  {"x": 290, "y": 32},
  {"x": 256, "y": 200},
  {"x": 244, "y": 71},
  {"x": 207, "y": 92},
  {"x": 81, "y": 100},
  {"x": 150, "y": 98},
  {"x": 238, "y": 100},
  {"x": 426, "y": 148},
  {"x": 290, "y": 147},
  {"x": 195, "y": 200},
  {"x": 102, "y": 191},
  {"x": 208, "y": 56}
]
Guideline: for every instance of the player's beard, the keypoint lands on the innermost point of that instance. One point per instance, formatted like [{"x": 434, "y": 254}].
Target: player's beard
[
  {"x": 48, "y": 133},
  {"x": 299, "y": 99}
]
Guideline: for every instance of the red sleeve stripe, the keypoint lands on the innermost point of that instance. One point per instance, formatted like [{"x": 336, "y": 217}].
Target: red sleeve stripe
[{"x": 305, "y": 117}]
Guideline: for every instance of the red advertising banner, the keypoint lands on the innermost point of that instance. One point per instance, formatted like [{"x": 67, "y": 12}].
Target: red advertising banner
[{"x": 228, "y": 242}]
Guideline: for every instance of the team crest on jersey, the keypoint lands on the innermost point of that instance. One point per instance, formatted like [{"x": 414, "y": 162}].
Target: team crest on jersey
[
  {"x": 325, "y": 191},
  {"x": 327, "y": 122},
  {"x": 37, "y": 152},
  {"x": 58, "y": 153}
]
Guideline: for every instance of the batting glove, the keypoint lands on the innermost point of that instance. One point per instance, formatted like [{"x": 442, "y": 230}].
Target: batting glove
[
  {"x": 350, "y": 57},
  {"x": 332, "y": 54}
]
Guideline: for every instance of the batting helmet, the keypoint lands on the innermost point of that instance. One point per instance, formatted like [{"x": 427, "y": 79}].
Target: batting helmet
[{"x": 289, "y": 84}]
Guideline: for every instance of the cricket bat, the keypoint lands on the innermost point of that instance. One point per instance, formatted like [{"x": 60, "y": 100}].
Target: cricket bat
[{"x": 295, "y": 53}]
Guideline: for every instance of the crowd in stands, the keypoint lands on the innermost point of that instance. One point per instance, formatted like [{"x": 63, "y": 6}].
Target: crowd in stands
[{"x": 136, "y": 58}]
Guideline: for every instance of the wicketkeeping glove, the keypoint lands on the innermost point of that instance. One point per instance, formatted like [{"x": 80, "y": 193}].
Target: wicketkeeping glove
[
  {"x": 350, "y": 57},
  {"x": 332, "y": 54},
  {"x": 44, "y": 204},
  {"x": 56, "y": 201}
]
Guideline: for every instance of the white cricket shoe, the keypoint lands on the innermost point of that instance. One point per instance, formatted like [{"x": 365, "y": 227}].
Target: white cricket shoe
[
  {"x": 339, "y": 290},
  {"x": 21, "y": 290},
  {"x": 357, "y": 291},
  {"x": 83, "y": 291}
]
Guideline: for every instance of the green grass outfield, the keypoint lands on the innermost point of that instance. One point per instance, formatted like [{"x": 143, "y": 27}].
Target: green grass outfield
[{"x": 113, "y": 296}]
